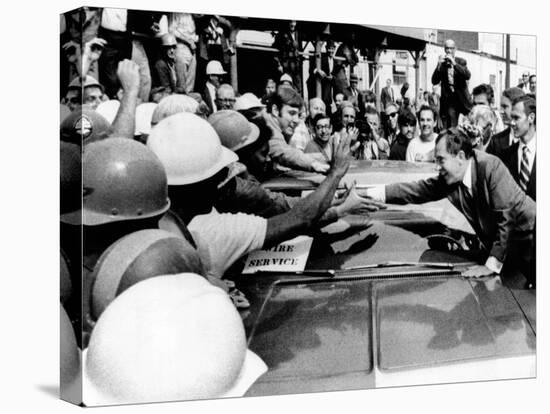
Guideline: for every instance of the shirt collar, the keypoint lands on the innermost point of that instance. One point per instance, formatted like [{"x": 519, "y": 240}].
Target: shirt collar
[
  {"x": 532, "y": 145},
  {"x": 467, "y": 180}
]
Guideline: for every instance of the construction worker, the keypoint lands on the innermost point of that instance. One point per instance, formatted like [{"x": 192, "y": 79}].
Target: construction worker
[
  {"x": 168, "y": 338},
  {"x": 136, "y": 257},
  {"x": 194, "y": 159}
]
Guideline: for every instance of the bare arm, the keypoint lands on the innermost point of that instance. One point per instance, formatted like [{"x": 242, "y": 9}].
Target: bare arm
[
  {"x": 124, "y": 123},
  {"x": 302, "y": 216}
]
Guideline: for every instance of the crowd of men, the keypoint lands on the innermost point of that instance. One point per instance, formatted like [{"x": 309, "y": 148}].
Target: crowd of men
[{"x": 173, "y": 158}]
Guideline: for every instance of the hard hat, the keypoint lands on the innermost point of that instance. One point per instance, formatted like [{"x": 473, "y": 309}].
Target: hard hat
[
  {"x": 136, "y": 257},
  {"x": 65, "y": 284},
  {"x": 144, "y": 114},
  {"x": 189, "y": 149},
  {"x": 215, "y": 68},
  {"x": 83, "y": 126},
  {"x": 167, "y": 338},
  {"x": 108, "y": 109},
  {"x": 247, "y": 101},
  {"x": 70, "y": 177},
  {"x": 168, "y": 39},
  {"x": 233, "y": 128},
  {"x": 69, "y": 358},
  {"x": 76, "y": 83},
  {"x": 121, "y": 180},
  {"x": 173, "y": 104},
  {"x": 285, "y": 77}
]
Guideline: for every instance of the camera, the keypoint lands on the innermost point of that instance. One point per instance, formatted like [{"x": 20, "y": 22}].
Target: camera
[{"x": 365, "y": 131}]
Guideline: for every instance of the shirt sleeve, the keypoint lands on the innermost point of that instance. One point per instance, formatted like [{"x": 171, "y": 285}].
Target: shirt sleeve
[
  {"x": 286, "y": 155},
  {"x": 409, "y": 155},
  {"x": 493, "y": 264},
  {"x": 222, "y": 239},
  {"x": 377, "y": 193}
]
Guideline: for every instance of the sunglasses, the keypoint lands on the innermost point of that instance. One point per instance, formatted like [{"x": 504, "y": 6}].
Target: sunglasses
[{"x": 392, "y": 114}]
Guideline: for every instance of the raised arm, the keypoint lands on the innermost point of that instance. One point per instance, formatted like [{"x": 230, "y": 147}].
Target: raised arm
[
  {"x": 310, "y": 209},
  {"x": 124, "y": 122}
]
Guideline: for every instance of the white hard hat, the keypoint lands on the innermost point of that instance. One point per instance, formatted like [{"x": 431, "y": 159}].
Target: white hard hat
[
  {"x": 144, "y": 114},
  {"x": 108, "y": 109},
  {"x": 215, "y": 68},
  {"x": 247, "y": 101},
  {"x": 189, "y": 148},
  {"x": 88, "y": 81},
  {"x": 285, "y": 77},
  {"x": 171, "y": 337},
  {"x": 173, "y": 104}
]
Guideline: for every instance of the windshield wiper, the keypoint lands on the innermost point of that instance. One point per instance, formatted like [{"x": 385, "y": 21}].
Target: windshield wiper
[{"x": 435, "y": 265}]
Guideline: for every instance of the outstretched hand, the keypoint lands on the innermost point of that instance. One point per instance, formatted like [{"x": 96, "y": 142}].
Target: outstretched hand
[
  {"x": 355, "y": 204},
  {"x": 341, "y": 157}
]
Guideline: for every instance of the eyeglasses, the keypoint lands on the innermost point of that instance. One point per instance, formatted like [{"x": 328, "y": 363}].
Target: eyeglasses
[{"x": 392, "y": 114}]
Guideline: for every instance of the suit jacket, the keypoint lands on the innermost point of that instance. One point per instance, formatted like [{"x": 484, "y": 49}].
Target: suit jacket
[
  {"x": 499, "y": 211},
  {"x": 386, "y": 97},
  {"x": 499, "y": 144},
  {"x": 460, "y": 99},
  {"x": 340, "y": 79},
  {"x": 510, "y": 158},
  {"x": 326, "y": 83}
]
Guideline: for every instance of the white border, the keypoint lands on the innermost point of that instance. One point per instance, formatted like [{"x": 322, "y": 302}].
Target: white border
[{"x": 30, "y": 206}]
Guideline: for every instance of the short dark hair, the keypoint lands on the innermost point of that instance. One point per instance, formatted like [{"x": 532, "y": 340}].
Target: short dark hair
[
  {"x": 456, "y": 140},
  {"x": 486, "y": 89},
  {"x": 371, "y": 111},
  {"x": 406, "y": 118},
  {"x": 513, "y": 93},
  {"x": 286, "y": 96},
  {"x": 427, "y": 108},
  {"x": 318, "y": 117},
  {"x": 534, "y": 75},
  {"x": 369, "y": 96},
  {"x": 529, "y": 104}
]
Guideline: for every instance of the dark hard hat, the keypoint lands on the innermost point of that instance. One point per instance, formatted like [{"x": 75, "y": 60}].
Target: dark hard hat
[
  {"x": 136, "y": 257},
  {"x": 121, "y": 180},
  {"x": 84, "y": 125}
]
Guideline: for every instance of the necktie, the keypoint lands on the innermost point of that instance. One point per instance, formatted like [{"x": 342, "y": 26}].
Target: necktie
[{"x": 524, "y": 169}]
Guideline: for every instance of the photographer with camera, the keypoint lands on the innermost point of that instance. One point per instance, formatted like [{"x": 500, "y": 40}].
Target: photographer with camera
[
  {"x": 453, "y": 74},
  {"x": 371, "y": 145}
]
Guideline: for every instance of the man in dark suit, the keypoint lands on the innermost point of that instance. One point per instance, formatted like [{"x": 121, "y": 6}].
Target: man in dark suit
[
  {"x": 353, "y": 94},
  {"x": 453, "y": 75},
  {"x": 520, "y": 158},
  {"x": 480, "y": 186},
  {"x": 387, "y": 96},
  {"x": 325, "y": 74},
  {"x": 501, "y": 142}
]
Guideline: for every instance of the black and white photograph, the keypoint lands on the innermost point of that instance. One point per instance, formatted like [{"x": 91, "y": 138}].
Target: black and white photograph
[
  {"x": 263, "y": 205},
  {"x": 256, "y": 207}
]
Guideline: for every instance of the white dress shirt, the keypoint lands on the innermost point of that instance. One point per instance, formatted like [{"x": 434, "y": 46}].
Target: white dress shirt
[{"x": 531, "y": 152}]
